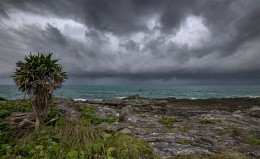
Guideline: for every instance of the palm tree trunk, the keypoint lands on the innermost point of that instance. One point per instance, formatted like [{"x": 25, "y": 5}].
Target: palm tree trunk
[
  {"x": 38, "y": 120},
  {"x": 40, "y": 103}
]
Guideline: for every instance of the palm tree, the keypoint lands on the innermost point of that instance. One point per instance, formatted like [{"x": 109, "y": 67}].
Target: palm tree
[{"x": 38, "y": 77}]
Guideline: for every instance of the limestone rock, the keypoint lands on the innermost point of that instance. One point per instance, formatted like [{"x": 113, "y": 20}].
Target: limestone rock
[
  {"x": 71, "y": 113},
  {"x": 111, "y": 128},
  {"x": 254, "y": 112},
  {"x": 126, "y": 131}
]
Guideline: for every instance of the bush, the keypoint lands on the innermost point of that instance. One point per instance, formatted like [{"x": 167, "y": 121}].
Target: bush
[
  {"x": 88, "y": 115},
  {"x": 67, "y": 139},
  {"x": 70, "y": 139},
  {"x": 3, "y": 99}
]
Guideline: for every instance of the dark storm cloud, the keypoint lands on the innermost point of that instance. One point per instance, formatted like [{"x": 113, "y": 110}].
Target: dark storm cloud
[
  {"x": 130, "y": 45},
  {"x": 133, "y": 39}
]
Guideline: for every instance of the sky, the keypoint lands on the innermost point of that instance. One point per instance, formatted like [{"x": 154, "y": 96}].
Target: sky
[{"x": 132, "y": 42}]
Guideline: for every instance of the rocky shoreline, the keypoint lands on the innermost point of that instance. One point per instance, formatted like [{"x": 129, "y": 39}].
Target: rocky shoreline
[{"x": 176, "y": 127}]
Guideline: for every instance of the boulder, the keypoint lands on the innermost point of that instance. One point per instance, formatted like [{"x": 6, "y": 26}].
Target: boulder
[
  {"x": 71, "y": 113},
  {"x": 111, "y": 128},
  {"x": 126, "y": 131},
  {"x": 254, "y": 112}
]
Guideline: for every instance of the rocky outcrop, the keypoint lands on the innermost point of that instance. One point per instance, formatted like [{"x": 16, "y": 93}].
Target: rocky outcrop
[
  {"x": 254, "y": 111},
  {"x": 200, "y": 127},
  {"x": 71, "y": 113},
  {"x": 20, "y": 119}
]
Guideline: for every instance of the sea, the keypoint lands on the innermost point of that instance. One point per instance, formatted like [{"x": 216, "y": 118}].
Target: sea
[{"x": 85, "y": 92}]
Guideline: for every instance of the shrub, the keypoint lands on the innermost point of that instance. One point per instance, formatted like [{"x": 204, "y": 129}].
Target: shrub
[
  {"x": 252, "y": 139},
  {"x": 70, "y": 139},
  {"x": 3, "y": 99},
  {"x": 88, "y": 115}
]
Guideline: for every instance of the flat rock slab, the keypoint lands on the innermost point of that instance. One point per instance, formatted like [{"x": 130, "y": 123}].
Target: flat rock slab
[{"x": 201, "y": 126}]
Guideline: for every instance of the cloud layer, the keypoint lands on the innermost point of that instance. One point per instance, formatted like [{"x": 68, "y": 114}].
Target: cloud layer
[{"x": 136, "y": 40}]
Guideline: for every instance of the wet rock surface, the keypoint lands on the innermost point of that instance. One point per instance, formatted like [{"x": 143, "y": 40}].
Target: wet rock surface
[{"x": 199, "y": 127}]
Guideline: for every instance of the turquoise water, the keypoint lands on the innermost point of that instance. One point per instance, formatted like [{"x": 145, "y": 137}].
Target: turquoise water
[{"x": 103, "y": 92}]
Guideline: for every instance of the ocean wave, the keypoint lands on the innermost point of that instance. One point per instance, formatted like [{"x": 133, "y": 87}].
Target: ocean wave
[
  {"x": 120, "y": 97},
  {"x": 242, "y": 96},
  {"x": 80, "y": 99},
  {"x": 84, "y": 100}
]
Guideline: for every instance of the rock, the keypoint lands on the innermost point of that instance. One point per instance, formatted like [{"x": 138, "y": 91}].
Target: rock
[
  {"x": 105, "y": 112},
  {"x": 71, "y": 113},
  {"x": 167, "y": 150},
  {"x": 134, "y": 97},
  {"x": 116, "y": 126},
  {"x": 234, "y": 120},
  {"x": 254, "y": 112},
  {"x": 111, "y": 128},
  {"x": 126, "y": 131},
  {"x": 20, "y": 119},
  {"x": 105, "y": 126},
  {"x": 127, "y": 114}
]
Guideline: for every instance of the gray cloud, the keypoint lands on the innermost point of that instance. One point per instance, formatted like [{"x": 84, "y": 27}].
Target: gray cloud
[{"x": 136, "y": 39}]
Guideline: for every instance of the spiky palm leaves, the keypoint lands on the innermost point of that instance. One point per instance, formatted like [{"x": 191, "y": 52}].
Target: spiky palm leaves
[{"x": 39, "y": 76}]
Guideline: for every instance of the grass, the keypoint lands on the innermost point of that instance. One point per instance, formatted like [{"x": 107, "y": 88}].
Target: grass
[
  {"x": 166, "y": 121},
  {"x": 186, "y": 128},
  {"x": 236, "y": 131},
  {"x": 182, "y": 142},
  {"x": 88, "y": 114},
  {"x": 67, "y": 139},
  {"x": 76, "y": 140},
  {"x": 240, "y": 132},
  {"x": 252, "y": 139}
]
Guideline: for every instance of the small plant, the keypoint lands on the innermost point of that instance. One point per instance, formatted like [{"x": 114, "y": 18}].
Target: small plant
[
  {"x": 252, "y": 139},
  {"x": 238, "y": 131},
  {"x": 182, "y": 142},
  {"x": 167, "y": 121},
  {"x": 186, "y": 128},
  {"x": 211, "y": 121},
  {"x": 88, "y": 115},
  {"x": 220, "y": 132},
  {"x": 170, "y": 130}
]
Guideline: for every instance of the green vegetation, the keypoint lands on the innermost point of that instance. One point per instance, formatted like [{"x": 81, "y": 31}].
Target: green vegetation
[
  {"x": 186, "y": 128},
  {"x": 38, "y": 76},
  {"x": 211, "y": 121},
  {"x": 88, "y": 115},
  {"x": 66, "y": 139},
  {"x": 3, "y": 99},
  {"x": 236, "y": 131},
  {"x": 240, "y": 132},
  {"x": 182, "y": 142},
  {"x": 252, "y": 139},
  {"x": 167, "y": 121}
]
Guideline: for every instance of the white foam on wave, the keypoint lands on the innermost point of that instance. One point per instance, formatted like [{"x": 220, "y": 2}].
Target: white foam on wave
[
  {"x": 84, "y": 100},
  {"x": 242, "y": 96},
  {"x": 120, "y": 97},
  {"x": 80, "y": 99},
  {"x": 193, "y": 98},
  {"x": 253, "y": 96}
]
